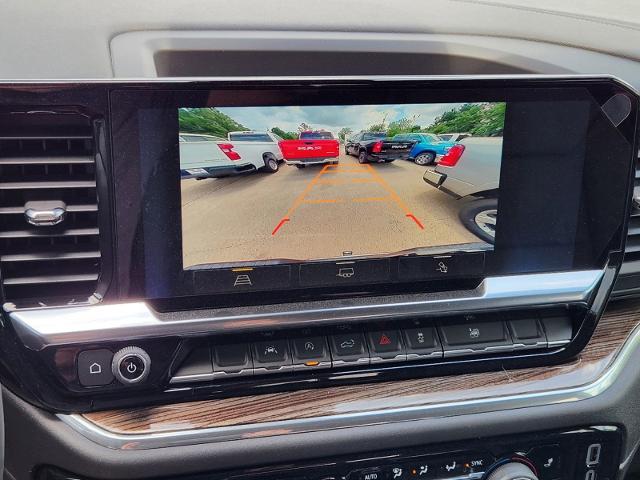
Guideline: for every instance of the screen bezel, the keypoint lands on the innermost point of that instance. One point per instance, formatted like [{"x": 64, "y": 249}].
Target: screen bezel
[{"x": 166, "y": 263}]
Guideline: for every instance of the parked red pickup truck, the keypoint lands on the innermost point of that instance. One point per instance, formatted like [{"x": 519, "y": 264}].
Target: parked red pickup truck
[{"x": 311, "y": 148}]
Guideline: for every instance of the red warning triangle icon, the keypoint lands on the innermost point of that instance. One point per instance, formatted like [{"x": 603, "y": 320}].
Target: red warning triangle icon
[{"x": 384, "y": 340}]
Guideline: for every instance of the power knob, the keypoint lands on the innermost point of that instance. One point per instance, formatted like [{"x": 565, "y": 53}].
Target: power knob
[
  {"x": 512, "y": 470},
  {"x": 131, "y": 365}
]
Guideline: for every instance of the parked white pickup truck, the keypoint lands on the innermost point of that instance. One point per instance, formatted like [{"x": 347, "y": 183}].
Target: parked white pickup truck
[{"x": 207, "y": 156}]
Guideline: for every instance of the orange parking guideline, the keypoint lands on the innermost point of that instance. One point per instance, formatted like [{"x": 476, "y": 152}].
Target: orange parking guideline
[
  {"x": 329, "y": 168},
  {"x": 395, "y": 196},
  {"x": 298, "y": 201},
  {"x": 324, "y": 200},
  {"x": 371, "y": 199}
]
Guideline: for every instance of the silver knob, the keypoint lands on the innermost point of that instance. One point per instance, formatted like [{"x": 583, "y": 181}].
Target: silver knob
[
  {"x": 131, "y": 365},
  {"x": 513, "y": 471}
]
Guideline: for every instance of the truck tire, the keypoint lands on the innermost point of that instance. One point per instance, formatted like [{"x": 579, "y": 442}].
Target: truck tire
[
  {"x": 270, "y": 163},
  {"x": 425, "y": 158},
  {"x": 362, "y": 157},
  {"x": 479, "y": 217}
]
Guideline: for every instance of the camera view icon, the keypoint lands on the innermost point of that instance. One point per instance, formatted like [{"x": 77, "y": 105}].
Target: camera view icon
[
  {"x": 346, "y": 272},
  {"x": 442, "y": 267},
  {"x": 242, "y": 280}
]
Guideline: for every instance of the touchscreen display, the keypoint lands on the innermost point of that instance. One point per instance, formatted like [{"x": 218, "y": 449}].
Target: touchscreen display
[{"x": 300, "y": 183}]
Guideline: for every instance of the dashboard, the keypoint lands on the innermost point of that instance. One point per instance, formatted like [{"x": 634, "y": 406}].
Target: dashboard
[{"x": 314, "y": 243}]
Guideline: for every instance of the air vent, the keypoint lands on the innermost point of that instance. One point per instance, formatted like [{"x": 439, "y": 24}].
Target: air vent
[
  {"x": 629, "y": 280},
  {"x": 49, "y": 237}
]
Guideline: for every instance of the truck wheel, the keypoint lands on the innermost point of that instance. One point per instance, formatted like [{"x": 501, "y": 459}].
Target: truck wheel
[
  {"x": 346, "y": 151},
  {"x": 480, "y": 217},
  {"x": 270, "y": 164},
  {"x": 362, "y": 157},
  {"x": 425, "y": 158},
  {"x": 300, "y": 166}
]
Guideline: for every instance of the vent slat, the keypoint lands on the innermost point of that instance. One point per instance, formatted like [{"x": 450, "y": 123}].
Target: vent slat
[
  {"x": 38, "y": 256},
  {"x": 47, "y": 184},
  {"x": 84, "y": 159},
  {"x": 49, "y": 233},
  {"x": 48, "y": 158},
  {"x": 46, "y": 137},
  {"x": 43, "y": 279}
]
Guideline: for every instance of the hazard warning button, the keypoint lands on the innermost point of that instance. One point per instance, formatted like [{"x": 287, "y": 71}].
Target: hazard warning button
[{"x": 386, "y": 345}]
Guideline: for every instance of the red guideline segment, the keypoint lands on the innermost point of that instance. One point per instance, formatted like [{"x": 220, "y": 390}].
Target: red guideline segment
[{"x": 282, "y": 222}]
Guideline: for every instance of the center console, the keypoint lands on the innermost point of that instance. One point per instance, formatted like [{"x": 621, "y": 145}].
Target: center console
[{"x": 224, "y": 238}]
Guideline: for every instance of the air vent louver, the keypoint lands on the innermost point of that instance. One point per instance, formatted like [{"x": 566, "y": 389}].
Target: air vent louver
[
  {"x": 48, "y": 158},
  {"x": 628, "y": 282}
]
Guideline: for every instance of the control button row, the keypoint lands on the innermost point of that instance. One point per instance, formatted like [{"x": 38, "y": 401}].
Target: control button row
[
  {"x": 343, "y": 272},
  {"x": 354, "y": 347},
  {"x": 470, "y": 467},
  {"x": 308, "y": 353}
]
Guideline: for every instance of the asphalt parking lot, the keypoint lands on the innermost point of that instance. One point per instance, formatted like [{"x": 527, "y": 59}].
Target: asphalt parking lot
[{"x": 318, "y": 212}]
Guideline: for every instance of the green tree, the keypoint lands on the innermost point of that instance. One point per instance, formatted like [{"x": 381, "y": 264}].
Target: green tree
[
  {"x": 284, "y": 135},
  {"x": 480, "y": 119},
  {"x": 343, "y": 133},
  {"x": 403, "y": 125},
  {"x": 208, "y": 121}
]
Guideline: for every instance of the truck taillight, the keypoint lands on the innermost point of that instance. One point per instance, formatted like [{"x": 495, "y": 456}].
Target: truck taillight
[
  {"x": 377, "y": 147},
  {"x": 227, "y": 149},
  {"x": 450, "y": 159}
]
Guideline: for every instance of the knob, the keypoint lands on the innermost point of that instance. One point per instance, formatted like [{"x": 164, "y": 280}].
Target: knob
[
  {"x": 512, "y": 471},
  {"x": 131, "y": 365}
]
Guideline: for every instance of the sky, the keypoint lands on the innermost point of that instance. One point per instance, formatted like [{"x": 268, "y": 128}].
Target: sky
[{"x": 333, "y": 117}]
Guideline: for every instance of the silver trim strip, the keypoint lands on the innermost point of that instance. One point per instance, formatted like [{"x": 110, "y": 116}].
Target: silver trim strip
[
  {"x": 382, "y": 416},
  {"x": 41, "y": 327}
]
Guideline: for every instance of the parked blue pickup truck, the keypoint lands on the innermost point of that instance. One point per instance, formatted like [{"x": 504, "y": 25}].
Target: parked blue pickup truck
[{"x": 427, "y": 147}]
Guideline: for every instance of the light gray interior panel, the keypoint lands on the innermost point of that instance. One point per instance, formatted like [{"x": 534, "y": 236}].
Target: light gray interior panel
[{"x": 233, "y": 53}]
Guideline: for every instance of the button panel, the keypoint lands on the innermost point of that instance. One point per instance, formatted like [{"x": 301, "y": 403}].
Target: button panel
[{"x": 356, "y": 346}]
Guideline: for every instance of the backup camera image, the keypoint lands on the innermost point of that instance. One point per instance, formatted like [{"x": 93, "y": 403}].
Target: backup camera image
[{"x": 324, "y": 182}]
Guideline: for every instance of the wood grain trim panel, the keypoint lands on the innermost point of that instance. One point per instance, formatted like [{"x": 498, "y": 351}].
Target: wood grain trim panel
[{"x": 615, "y": 326}]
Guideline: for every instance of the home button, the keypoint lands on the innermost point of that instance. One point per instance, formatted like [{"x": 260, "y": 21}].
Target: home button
[{"x": 94, "y": 368}]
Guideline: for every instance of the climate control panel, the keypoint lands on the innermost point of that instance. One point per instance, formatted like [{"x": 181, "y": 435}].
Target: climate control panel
[{"x": 591, "y": 453}]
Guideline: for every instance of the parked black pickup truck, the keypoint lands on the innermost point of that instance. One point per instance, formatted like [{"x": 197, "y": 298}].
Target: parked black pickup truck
[{"x": 376, "y": 147}]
